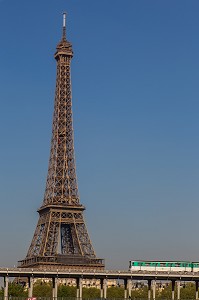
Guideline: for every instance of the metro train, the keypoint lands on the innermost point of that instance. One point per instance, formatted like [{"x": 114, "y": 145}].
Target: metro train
[{"x": 175, "y": 266}]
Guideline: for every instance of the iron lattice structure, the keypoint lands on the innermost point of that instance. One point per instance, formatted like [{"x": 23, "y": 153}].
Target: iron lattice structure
[{"x": 61, "y": 238}]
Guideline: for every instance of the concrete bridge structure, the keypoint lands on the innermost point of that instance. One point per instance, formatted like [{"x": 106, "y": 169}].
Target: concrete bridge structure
[{"x": 150, "y": 276}]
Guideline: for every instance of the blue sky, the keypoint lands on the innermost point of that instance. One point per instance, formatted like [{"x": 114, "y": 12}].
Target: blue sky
[{"x": 135, "y": 87}]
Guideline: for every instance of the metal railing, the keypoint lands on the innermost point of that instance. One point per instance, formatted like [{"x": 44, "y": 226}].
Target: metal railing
[{"x": 61, "y": 259}]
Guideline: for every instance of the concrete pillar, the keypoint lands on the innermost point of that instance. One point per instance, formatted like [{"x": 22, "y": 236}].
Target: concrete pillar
[
  {"x": 149, "y": 289},
  {"x": 129, "y": 286},
  {"x": 77, "y": 283},
  {"x": 125, "y": 288},
  {"x": 101, "y": 288},
  {"x": 173, "y": 289},
  {"x": 30, "y": 287},
  {"x": 196, "y": 289},
  {"x": 54, "y": 281},
  {"x": 105, "y": 288},
  {"x": 6, "y": 281},
  {"x": 80, "y": 288},
  {"x": 178, "y": 290},
  {"x": 154, "y": 288}
]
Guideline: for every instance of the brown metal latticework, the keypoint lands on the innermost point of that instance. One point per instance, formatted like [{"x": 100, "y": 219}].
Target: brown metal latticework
[{"x": 61, "y": 238}]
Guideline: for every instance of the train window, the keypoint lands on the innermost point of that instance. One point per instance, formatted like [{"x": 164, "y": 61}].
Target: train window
[
  {"x": 173, "y": 265},
  {"x": 162, "y": 264}
]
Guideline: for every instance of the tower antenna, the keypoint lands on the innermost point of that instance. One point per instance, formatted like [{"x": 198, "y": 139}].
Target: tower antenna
[{"x": 64, "y": 26}]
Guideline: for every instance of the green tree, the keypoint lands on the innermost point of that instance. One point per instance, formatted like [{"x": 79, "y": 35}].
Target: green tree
[
  {"x": 141, "y": 293},
  {"x": 91, "y": 293},
  {"x": 66, "y": 291},
  {"x": 42, "y": 289},
  {"x": 115, "y": 292},
  {"x": 166, "y": 292},
  {"x": 188, "y": 291},
  {"x": 16, "y": 290}
]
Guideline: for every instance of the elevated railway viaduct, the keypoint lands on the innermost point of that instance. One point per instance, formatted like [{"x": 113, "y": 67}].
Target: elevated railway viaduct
[{"x": 150, "y": 276}]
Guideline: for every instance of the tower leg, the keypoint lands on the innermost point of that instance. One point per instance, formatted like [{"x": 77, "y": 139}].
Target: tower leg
[
  {"x": 105, "y": 288},
  {"x": 129, "y": 284},
  {"x": 6, "y": 281},
  {"x": 196, "y": 289},
  {"x": 173, "y": 290},
  {"x": 30, "y": 287},
  {"x": 149, "y": 289}
]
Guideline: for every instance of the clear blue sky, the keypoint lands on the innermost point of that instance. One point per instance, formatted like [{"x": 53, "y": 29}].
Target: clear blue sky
[{"x": 135, "y": 75}]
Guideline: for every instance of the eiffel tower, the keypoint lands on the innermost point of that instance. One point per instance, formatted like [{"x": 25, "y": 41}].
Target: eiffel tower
[{"x": 61, "y": 239}]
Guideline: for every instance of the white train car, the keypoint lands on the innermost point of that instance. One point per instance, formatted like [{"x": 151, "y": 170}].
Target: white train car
[
  {"x": 177, "y": 266},
  {"x": 195, "y": 266}
]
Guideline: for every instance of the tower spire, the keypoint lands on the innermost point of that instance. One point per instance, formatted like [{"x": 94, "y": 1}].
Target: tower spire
[{"x": 64, "y": 27}]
